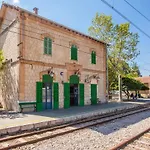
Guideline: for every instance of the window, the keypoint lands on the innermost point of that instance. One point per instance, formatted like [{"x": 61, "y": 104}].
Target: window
[
  {"x": 93, "y": 57},
  {"x": 74, "y": 52},
  {"x": 47, "y": 46}
]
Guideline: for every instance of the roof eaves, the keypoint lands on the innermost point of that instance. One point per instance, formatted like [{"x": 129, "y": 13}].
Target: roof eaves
[{"x": 53, "y": 22}]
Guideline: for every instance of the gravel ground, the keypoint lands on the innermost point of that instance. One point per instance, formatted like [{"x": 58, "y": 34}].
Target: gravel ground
[
  {"x": 10, "y": 115},
  {"x": 98, "y": 137}
]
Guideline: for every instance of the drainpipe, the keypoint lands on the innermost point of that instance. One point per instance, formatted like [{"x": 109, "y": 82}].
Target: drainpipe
[{"x": 107, "y": 82}]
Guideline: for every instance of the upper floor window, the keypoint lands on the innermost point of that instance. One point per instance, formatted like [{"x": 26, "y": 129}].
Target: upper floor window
[
  {"x": 93, "y": 57},
  {"x": 74, "y": 52},
  {"x": 47, "y": 46}
]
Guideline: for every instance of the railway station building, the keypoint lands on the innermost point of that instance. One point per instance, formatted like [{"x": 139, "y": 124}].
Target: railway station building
[{"x": 49, "y": 63}]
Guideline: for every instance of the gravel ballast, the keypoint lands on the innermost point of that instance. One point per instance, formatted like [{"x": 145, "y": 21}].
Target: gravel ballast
[{"x": 100, "y": 137}]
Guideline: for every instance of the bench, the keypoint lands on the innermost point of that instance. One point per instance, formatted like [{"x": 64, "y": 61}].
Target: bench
[{"x": 27, "y": 105}]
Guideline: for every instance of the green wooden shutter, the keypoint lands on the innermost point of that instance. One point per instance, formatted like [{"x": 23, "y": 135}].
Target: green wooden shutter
[
  {"x": 94, "y": 57},
  {"x": 56, "y": 96},
  {"x": 45, "y": 45},
  {"x": 74, "y": 79},
  {"x": 39, "y": 105},
  {"x": 74, "y": 53},
  {"x": 66, "y": 95},
  {"x": 49, "y": 45},
  {"x": 81, "y": 88},
  {"x": 93, "y": 94},
  {"x": 39, "y": 86},
  {"x": 47, "y": 78}
]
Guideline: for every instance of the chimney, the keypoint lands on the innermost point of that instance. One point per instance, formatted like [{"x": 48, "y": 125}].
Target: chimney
[{"x": 35, "y": 9}]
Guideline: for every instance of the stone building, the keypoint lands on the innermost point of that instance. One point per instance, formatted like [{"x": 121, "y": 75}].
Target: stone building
[
  {"x": 49, "y": 63},
  {"x": 146, "y": 81}
]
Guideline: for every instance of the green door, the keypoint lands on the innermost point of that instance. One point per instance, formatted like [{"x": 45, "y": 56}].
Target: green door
[
  {"x": 93, "y": 94},
  {"x": 81, "y": 91},
  {"x": 66, "y": 95},
  {"x": 39, "y": 105},
  {"x": 56, "y": 96}
]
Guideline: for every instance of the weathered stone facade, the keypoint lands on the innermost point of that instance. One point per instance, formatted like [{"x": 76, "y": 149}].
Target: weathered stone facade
[{"x": 26, "y": 49}]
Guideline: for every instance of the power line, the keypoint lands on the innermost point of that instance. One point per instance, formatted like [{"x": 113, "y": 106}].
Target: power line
[
  {"x": 137, "y": 10},
  {"x": 44, "y": 31},
  {"x": 58, "y": 44},
  {"x": 50, "y": 33},
  {"x": 53, "y": 42},
  {"x": 123, "y": 16},
  {"x": 61, "y": 39}
]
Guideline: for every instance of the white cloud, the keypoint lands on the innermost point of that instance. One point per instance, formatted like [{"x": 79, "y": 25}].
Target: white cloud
[{"x": 16, "y": 1}]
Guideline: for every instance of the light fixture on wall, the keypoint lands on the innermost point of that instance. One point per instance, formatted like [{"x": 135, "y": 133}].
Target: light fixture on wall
[
  {"x": 77, "y": 72},
  {"x": 96, "y": 76},
  {"x": 51, "y": 72},
  {"x": 87, "y": 79},
  {"x": 19, "y": 43}
]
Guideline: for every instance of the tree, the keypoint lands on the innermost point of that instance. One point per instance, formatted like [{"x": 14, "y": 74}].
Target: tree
[
  {"x": 122, "y": 50},
  {"x": 1, "y": 58},
  {"x": 130, "y": 84},
  {"x": 135, "y": 70}
]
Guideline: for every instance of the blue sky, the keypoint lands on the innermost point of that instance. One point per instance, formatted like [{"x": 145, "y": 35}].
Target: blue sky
[{"x": 78, "y": 14}]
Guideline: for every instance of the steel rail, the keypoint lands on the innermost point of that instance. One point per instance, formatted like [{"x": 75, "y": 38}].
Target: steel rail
[
  {"x": 130, "y": 140},
  {"x": 74, "y": 123},
  {"x": 124, "y": 114}
]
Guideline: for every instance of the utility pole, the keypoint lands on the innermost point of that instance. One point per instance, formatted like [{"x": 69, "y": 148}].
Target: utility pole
[
  {"x": 120, "y": 87},
  {"x": 107, "y": 83}
]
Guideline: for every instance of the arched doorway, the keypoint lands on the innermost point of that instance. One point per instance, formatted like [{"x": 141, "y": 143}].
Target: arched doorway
[
  {"x": 74, "y": 91},
  {"x": 47, "y": 91}
]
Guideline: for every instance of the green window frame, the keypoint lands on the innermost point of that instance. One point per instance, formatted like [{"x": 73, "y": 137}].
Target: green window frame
[
  {"x": 47, "y": 46},
  {"x": 93, "y": 57},
  {"x": 74, "y": 52}
]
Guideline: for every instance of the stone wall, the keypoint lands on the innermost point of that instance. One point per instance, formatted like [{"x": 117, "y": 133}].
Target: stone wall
[
  {"x": 9, "y": 76},
  {"x": 10, "y": 39},
  {"x": 32, "y": 75},
  {"x": 36, "y": 62},
  {"x": 9, "y": 87},
  {"x": 62, "y": 40}
]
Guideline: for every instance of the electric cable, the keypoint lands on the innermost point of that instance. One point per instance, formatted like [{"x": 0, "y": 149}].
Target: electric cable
[
  {"x": 123, "y": 16},
  {"x": 137, "y": 10}
]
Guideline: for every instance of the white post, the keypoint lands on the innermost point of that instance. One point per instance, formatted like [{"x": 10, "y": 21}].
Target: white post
[{"x": 120, "y": 87}]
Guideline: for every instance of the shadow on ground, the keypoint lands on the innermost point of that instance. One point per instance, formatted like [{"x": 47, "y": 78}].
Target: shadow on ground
[
  {"x": 120, "y": 123},
  {"x": 78, "y": 110}
]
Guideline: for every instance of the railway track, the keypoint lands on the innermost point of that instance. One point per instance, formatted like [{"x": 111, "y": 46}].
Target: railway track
[
  {"x": 43, "y": 134},
  {"x": 140, "y": 141}
]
